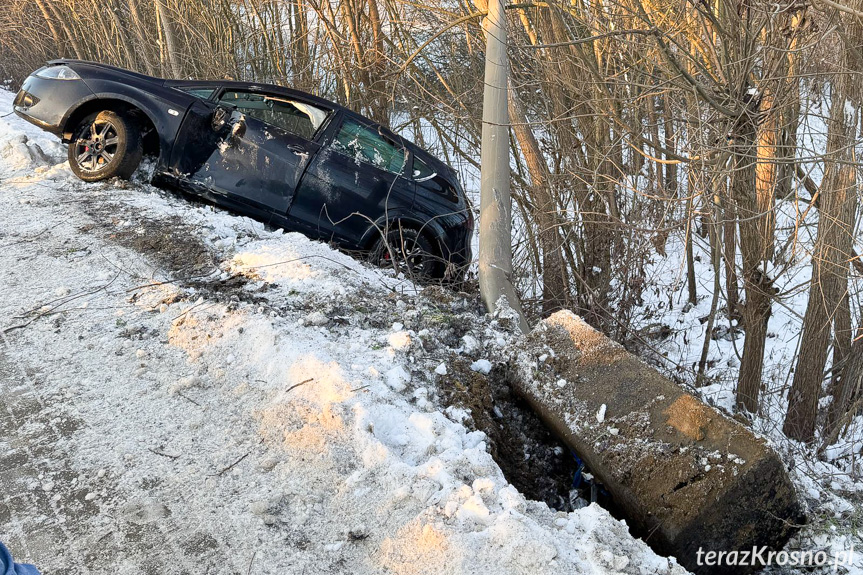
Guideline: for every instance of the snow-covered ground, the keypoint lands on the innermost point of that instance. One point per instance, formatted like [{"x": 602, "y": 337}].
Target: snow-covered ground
[{"x": 185, "y": 391}]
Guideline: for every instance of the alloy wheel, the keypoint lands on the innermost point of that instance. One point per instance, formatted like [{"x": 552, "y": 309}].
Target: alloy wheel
[
  {"x": 408, "y": 253},
  {"x": 97, "y": 147}
]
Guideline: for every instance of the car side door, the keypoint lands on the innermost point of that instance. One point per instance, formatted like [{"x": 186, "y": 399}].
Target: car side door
[
  {"x": 354, "y": 180},
  {"x": 255, "y": 153}
]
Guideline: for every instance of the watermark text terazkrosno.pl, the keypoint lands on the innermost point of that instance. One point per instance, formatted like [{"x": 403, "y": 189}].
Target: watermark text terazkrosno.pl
[{"x": 762, "y": 557}]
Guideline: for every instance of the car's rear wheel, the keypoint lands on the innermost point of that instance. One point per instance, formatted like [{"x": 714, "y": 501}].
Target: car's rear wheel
[
  {"x": 410, "y": 251},
  {"x": 105, "y": 145}
]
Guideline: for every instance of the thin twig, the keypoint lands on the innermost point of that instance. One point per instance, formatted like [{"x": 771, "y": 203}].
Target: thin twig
[
  {"x": 20, "y": 325},
  {"x": 153, "y": 284},
  {"x": 65, "y": 301},
  {"x": 197, "y": 305},
  {"x": 181, "y": 394},
  {"x": 299, "y": 384},
  {"x": 252, "y": 560},
  {"x": 231, "y": 466},
  {"x": 26, "y": 240},
  {"x": 163, "y": 454}
]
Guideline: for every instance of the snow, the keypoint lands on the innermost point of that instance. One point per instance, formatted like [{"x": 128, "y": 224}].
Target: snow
[
  {"x": 399, "y": 340},
  {"x": 469, "y": 344},
  {"x": 481, "y": 365},
  {"x": 273, "y": 420},
  {"x": 600, "y": 413}
]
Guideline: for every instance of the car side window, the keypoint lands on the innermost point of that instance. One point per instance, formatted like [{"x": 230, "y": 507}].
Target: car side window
[
  {"x": 202, "y": 93},
  {"x": 422, "y": 171},
  {"x": 364, "y": 144},
  {"x": 298, "y": 118}
]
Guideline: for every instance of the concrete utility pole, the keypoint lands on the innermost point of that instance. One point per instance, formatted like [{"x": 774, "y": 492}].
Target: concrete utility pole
[{"x": 495, "y": 225}]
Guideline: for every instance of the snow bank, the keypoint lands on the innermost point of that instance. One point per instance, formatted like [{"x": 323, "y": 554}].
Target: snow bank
[{"x": 297, "y": 443}]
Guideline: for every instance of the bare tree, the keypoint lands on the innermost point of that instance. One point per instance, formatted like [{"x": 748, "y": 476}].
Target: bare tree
[{"x": 833, "y": 247}]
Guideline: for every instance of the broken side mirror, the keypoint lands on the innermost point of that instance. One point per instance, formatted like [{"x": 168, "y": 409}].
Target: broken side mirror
[{"x": 219, "y": 119}]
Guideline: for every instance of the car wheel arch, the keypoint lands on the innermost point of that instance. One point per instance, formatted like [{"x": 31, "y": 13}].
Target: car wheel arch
[{"x": 121, "y": 105}]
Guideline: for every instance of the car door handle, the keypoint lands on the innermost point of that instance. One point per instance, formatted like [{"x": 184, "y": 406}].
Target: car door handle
[{"x": 296, "y": 149}]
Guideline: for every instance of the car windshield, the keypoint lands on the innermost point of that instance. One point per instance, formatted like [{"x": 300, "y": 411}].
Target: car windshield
[
  {"x": 298, "y": 118},
  {"x": 366, "y": 145}
]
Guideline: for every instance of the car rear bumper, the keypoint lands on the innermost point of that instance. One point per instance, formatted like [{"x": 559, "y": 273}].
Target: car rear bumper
[
  {"x": 47, "y": 102},
  {"x": 53, "y": 128}
]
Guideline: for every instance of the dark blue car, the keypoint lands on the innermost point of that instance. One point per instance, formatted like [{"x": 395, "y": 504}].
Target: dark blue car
[{"x": 281, "y": 156}]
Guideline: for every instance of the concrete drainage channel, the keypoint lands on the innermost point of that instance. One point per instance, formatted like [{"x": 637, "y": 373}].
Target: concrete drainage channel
[
  {"x": 685, "y": 477},
  {"x": 532, "y": 457}
]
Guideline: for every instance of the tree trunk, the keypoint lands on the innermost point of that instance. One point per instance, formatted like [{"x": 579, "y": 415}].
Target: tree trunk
[
  {"x": 790, "y": 112},
  {"x": 360, "y": 68},
  {"x": 829, "y": 268},
  {"x": 756, "y": 285},
  {"x": 766, "y": 171},
  {"x": 842, "y": 329},
  {"x": 690, "y": 257},
  {"x": 555, "y": 287},
  {"x": 301, "y": 61},
  {"x": 849, "y": 391},
  {"x": 138, "y": 27},
  {"x": 58, "y": 42},
  {"x": 377, "y": 74},
  {"x": 728, "y": 214},
  {"x": 170, "y": 40},
  {"x": 70, "y": 32},
  {"x": 714, "y": 231}
]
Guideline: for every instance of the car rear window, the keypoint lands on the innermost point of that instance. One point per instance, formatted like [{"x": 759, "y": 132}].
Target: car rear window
[
  {"x": 298, "y": 118},
  {"x": 364, "y": 144}
]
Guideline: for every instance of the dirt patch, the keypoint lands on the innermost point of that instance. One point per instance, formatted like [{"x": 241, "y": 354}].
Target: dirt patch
[
  {"x": 174, "y": 247},
  {"x": 171, "y": 244},
  {"x": 168, "y": 242},
  {"x": 688, "y": 416}
]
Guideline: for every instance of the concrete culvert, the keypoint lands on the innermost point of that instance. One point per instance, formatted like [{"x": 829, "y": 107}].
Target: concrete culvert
[{"x": 685, "y": 476}]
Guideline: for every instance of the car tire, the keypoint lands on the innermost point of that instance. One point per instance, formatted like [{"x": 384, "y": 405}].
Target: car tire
[
  {"x": 413, "y": 252},
  {"x": 105, "y": 145}
]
